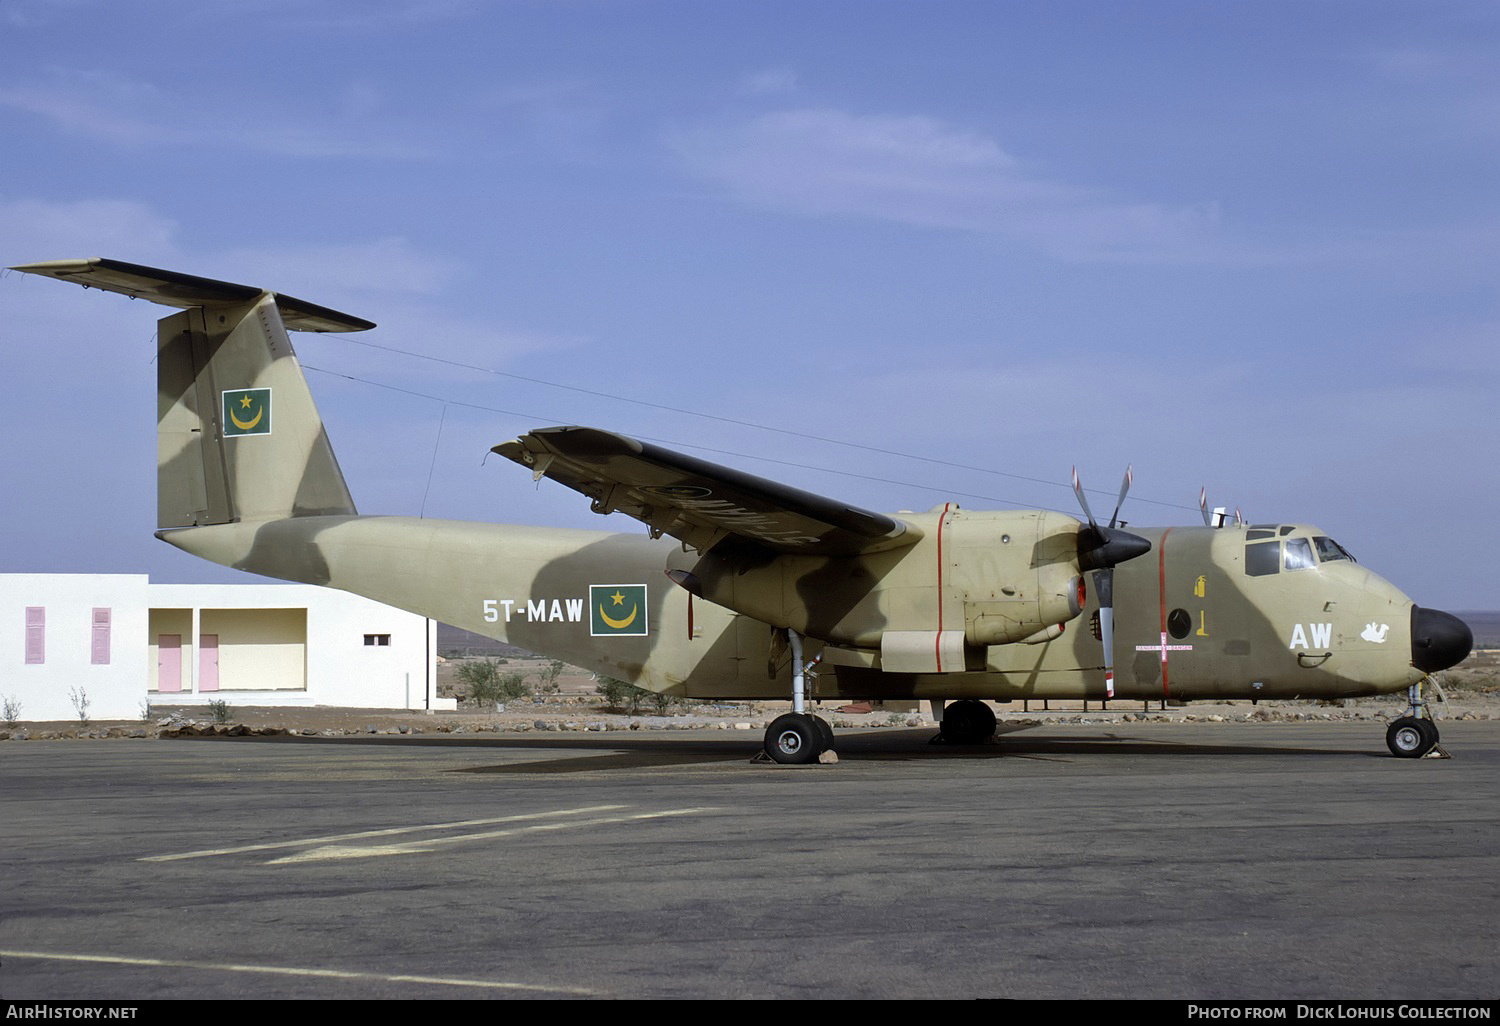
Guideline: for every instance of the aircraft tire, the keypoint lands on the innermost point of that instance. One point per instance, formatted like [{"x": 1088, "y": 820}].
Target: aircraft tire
[
  {"x": 794, "y": 739},
  {"x": 1410, "y": 737},
  {"x": 967, "y": 722},
  {"x": 826, "y": 731}
]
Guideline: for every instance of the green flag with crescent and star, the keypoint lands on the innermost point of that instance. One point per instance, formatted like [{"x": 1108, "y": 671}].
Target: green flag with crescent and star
[
  {"x": 617, "y": 609},
  {"x": 247, "y": 411}
]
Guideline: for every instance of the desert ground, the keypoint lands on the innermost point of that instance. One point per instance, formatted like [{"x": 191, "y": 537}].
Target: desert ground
[{"x": 570, "y": 700}]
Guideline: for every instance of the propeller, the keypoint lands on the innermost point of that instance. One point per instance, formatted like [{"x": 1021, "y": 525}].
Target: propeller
[{"x": 1101, "y": 549}]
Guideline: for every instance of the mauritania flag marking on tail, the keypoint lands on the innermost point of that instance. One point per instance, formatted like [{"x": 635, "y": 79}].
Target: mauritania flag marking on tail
[
  {"x": 247, "y": 411},
  {"x": 617, "y": 609}
]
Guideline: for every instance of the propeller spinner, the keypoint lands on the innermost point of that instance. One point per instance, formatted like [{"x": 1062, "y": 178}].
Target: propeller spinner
[{"x": 1100, "y": 549}]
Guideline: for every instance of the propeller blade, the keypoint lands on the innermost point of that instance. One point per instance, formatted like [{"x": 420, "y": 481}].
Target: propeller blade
[
  {"x": 1124, "y": 488},
  {"x": 1208, "y": 520},
  {"x": 1078, "y": 491},
  {"x": 1099, "y": 550},
  {"x": 1104, "y": 588}
]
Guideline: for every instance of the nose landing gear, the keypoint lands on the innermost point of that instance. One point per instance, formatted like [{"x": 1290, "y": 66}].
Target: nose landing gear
[{"x": 1415, "y": 735}]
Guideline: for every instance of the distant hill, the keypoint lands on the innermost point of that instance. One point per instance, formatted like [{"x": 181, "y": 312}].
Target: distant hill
[
  {"x": 1485, "y": 625},
  {"x": 457, "y": 641}
]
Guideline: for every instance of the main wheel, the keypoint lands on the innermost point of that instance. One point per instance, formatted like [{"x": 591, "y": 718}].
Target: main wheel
[
  {"x": 794, "y": 738},
  {"x": 967, "y": 722},
  {"x": 1411, "y": 738}
]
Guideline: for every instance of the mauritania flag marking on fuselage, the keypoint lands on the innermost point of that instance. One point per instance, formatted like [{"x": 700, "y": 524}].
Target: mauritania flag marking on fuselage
[
  {"x": 247, "y": 411},
  {"x": 618, "y": 609}
]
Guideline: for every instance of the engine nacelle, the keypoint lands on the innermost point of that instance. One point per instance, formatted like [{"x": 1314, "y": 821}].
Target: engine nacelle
[
  {"x": 993, "y": 578},
  {"x": 1015, "y": 573}
]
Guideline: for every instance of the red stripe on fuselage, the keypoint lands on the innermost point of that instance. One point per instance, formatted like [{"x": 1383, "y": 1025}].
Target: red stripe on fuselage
[
  {"x": 1161, "y": 593},
  {"x": 938, "y": 644}
]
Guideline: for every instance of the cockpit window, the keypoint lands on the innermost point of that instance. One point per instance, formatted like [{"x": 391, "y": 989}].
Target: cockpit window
[
  {"x": 1286, "y": 529},
  {"x": 1256, "y": 533},
  {"x": 1262, "y": 558},
  {"x": 1329, "y": 550},
  {"x": 1298, "y": 554}
]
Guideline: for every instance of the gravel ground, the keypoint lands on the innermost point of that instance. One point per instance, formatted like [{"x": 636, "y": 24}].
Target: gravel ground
[{"x": 1472, "y": 691}]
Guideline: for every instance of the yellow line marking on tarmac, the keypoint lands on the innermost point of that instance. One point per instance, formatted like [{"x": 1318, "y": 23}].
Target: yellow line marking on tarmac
[
  {"x": 331, "y": 838},
  {"x": 281, "y": 970},
  {"x": 418, "y": 847}
]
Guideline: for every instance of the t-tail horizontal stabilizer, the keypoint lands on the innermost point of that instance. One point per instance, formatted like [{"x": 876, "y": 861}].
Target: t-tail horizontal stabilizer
[{"x": 238, "y": 436}]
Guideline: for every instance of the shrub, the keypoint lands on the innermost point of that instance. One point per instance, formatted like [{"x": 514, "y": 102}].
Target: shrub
[
  {"x": 548, "y": 677},
  {"x": 80, "y": 699},
  {"x": 620, "y": 694},
  {"x": 487, "y": 686},
  {"x": 628, "y": 697}
]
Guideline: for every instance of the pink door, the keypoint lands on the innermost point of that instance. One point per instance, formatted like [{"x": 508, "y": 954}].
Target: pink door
[
  {"x": 208, "y": 662},
  {"x": 169, "y": 662}
]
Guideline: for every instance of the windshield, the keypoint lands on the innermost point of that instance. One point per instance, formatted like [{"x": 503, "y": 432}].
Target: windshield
[{"x": 1329, "y": 550}]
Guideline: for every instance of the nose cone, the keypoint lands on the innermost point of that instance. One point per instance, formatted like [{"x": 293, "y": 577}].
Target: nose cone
[
  {"x": 1101, "y": 547},
  {"x": 1438, "y": 639}
]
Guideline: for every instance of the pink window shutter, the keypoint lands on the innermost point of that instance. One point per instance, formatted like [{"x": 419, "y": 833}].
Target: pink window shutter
[
  {"x": 99, "y": 655},
  {"x": 36, "y": 635}
]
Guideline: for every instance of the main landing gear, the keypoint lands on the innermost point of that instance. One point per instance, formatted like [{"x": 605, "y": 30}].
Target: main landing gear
[
  {"x": 1414, "y": 735},
  {"x": 798, "y": 737},
  {"x": 965, "y": 722}
]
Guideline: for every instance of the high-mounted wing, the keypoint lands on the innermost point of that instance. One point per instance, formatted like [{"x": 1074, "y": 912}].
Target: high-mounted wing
[
  {"x": 699, "y": 502},
  {"x": 173, "y": 288}
]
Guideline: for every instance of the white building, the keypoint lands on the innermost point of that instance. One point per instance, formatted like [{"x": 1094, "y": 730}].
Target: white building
[{"x": 119, "y": 642}]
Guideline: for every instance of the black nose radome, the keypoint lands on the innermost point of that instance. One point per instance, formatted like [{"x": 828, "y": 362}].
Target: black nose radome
[{"x": 1438, "y": 639}]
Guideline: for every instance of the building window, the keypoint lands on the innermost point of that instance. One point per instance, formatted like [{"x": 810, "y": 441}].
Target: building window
[
  {"x": 36, "y": 635},
  {"x": 381, "y": 640},
  {"x": 99, "y": 644}
]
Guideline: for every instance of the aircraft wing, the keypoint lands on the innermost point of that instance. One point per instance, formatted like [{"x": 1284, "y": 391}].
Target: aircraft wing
[{"x": 698, "y": 502}]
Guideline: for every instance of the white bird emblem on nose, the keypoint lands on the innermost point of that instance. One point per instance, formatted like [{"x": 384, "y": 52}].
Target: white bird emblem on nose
[{"x": 1374, "y": 633}]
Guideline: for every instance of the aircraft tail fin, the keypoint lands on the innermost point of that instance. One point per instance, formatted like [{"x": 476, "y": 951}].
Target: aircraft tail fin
[{"x": 238, "y": 435}]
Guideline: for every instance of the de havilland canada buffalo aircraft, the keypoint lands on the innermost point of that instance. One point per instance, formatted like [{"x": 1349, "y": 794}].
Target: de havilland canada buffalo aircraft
[{"x": 954, "y": 606}]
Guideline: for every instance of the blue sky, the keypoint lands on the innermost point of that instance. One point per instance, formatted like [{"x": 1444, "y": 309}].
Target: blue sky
[{"x": 1248, "y": 246}]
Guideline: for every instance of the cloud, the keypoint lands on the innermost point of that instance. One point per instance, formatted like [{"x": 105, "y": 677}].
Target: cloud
[
  {"x": 768, "y": 82},
  {"x": 920, "y": 171},
  {"x": 355, "y": 15},
  {"x": 388, "y": 265},
  {"x": 131, "y": 113},
  {"x": 556, "y": 117},
  {"x": 38, "y": 230}
]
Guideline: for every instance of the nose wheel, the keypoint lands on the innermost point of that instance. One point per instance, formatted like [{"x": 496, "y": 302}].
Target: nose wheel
[{"x": 1415, "y": 735}]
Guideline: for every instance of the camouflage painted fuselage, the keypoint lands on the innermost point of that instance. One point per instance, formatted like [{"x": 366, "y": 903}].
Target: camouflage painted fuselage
[
  {"x": 948, "y": 604},
  {"x": 1330, "y": 630}
]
